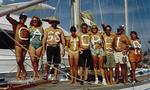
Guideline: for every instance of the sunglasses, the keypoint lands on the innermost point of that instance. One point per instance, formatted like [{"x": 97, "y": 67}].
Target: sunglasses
[
  {"x": 34, "y": 20},
  {"x": 107, "y": 30},
  {"x": 94, "y": 28},
  {"x": 84, "y": 27},
  {"x": 23, "y": 19}
]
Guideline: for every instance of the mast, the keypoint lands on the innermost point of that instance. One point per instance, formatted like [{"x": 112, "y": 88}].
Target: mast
[
  {"x": 20, "y": 7},
  {"x": 75, "y": 13},
  {"x": 126, "y": 16}
]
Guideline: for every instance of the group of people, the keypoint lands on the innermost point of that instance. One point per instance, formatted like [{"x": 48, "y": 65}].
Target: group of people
[
  {"x": 35, "y": 40},
  {"x": 105, "y": 51}
]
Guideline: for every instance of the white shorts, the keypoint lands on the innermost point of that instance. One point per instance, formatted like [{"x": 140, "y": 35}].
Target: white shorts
[{"x": 120, "y": 58}]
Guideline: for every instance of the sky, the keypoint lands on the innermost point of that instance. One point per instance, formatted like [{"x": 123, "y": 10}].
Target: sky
[{"x": 104, "y": 11}]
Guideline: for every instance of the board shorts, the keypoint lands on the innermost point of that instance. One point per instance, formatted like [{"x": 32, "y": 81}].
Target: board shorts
[
  {"x": 53, "y": 54},
  {"x": 85, "y": 58},
  {"x": 109, "y": 61},
  {"x": 97, "y": 52}
]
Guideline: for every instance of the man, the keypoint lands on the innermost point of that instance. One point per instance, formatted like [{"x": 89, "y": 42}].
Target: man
[
  {"x": 53, "y": 37},
  {"x": 109, "y": 62},
  {"x": 21, "y": 35},
  {"x": 121, "y": 46},
  {"x": 85, "y": 53}
]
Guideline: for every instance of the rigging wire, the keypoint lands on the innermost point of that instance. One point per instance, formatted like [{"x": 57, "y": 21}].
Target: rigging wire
[
  {"x": 113, "y": 14},
  {"x": 145, "y": 15},
  {"x": 17, "y": 43},
  {"x": 40, "y": 59},
  {"x": 94, "y": 10},
  {"x": 4, "y": 42},
  {"x": 101, "y": 12},
  {"x": 57, "y": 8},
  {"x": 65, "y": 73},
  {"x": 70, "y": 6},
  {"x": 132, "y": 24},
  {"x": 146, "y": 42},
  {"x": 141, "y": 24}
]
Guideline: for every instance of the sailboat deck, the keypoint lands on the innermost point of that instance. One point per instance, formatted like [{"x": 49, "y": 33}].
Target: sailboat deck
[{"x": 65, "y": 85}]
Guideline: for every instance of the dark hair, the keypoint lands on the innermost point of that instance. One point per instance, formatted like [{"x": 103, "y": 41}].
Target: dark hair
[
  {"x": 73, "y": 29},
  {"x": 107, "y": 26},
  {"x": 103, "y": 26},
  {"x": 94, "y": 27},
  {"x": 120, "y": 29},
  {"x": 134, "y": 32},
  {"x": 23, "y": 16},
  {"x": 84, "y": 24},
  {"x": 38, "y": 19}
]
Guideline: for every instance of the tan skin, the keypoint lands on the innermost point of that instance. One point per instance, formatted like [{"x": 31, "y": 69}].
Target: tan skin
[
  {"x": 20, "y": 55},
  {"x": 83, "y": 30},
  {"x": 122, "y": 47},
  {"x": 35, "y": 54},
  {"x": 47, "y": 66},
  {"x": 73, "y": 59},
  {"x": 108, "y": 74},
  {"x": 19, "y": 48},
  {"x": 97, "y": 60},
  {"x": 132, "y": 60}
]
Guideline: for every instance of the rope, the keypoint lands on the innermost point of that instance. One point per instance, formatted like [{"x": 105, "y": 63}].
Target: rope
[
  {"x": 13, "y": 39},
  {"x": 21, "y": 47},
  {"x": 40, "y": 59},
  {"x": 67, "y": 74},
  {"x": 13, "y": 52},
  {"x": 17, "y": 42}
]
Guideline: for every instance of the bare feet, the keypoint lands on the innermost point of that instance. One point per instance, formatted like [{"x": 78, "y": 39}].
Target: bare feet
[
  {"x": 71, "y": 82},
  {"x": 45, "y": 77},
  {"x": 37, "y": 78},
  {"x": 18, "y": 78},
  {"x": 55, "y": 78},
  {"x": 24, "y": 76}
]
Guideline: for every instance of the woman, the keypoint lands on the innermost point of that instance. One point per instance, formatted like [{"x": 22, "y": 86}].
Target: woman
[
  {"x": 135, "y": 53},
  {"x": 97, "y": 52},
  {"x": 73, "y": 54},
  {"x": 35, "y": 47}
]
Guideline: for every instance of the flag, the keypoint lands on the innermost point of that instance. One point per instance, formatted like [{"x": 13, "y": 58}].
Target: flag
[{"x": 86, "y": 17}]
